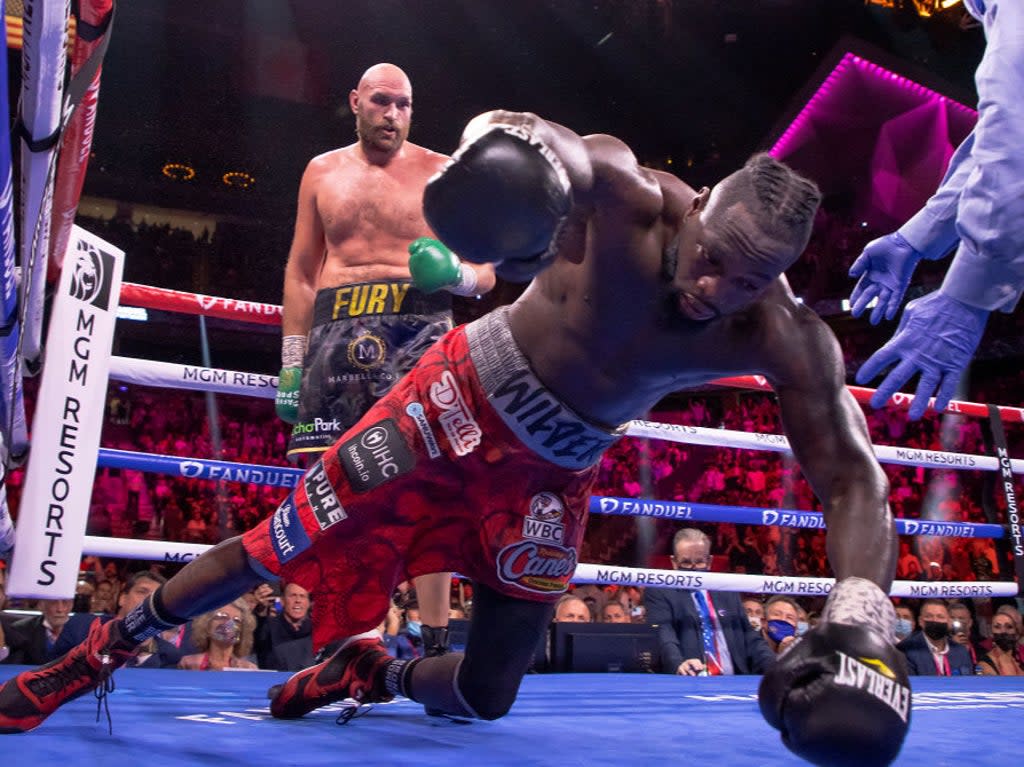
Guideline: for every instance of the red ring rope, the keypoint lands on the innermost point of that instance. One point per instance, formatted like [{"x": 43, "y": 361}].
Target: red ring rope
[{"x": 270, "y": 314}]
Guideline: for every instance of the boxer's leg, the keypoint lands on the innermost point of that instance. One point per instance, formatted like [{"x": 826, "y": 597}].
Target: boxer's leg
[
  {"x": 217, "y": 577},
  {"x": 482, "y": 683}
]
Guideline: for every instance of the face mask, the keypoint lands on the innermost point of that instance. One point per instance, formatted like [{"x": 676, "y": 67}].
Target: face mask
[
  {"x": 936, "y": 629},
  {"x": 802, "y": 627},
  {"x": 227, "y": 632},
  {"x": 414, "y": 628},
  {"x": 779, "y": 630},
  {"x": 903, "y": 627},
  {"x": 755, "y": 622},
  {"x": 1004, "y": 640}
]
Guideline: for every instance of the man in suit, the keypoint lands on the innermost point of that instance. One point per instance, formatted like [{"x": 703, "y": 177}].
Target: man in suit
[
  {"x": 285, "y": 642},
  {"x": 929, "y": 651},
  {"x": 138, "y": 587},
  {"x": 702, "y": 632},
  {"x": 38, "y": 634}
]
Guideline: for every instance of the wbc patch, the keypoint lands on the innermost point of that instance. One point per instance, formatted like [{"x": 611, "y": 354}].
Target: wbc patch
[{"x": 544, "y": 520}]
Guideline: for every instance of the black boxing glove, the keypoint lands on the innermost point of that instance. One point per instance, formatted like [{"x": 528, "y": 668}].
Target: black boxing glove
[
  {"x": 840, "y": 697},
  {"x": 503, "y": 197}
]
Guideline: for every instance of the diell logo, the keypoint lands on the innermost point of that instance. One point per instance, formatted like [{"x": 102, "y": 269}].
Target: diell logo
[{"x": 92, "y": 274}]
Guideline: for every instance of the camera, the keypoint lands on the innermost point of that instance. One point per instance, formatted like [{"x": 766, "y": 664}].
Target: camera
[{"x": 959, "y": 627}]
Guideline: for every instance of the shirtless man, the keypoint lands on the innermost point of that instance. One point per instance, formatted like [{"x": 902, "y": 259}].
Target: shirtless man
[
  {"x": 348, "y": 278},
  {"x": 643, "y": 286}
]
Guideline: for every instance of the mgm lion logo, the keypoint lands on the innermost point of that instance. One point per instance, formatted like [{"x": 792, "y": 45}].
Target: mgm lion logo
[{"x": 91, "y": 276}]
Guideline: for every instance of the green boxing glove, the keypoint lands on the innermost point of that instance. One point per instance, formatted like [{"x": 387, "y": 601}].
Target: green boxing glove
[
  {"x": 286, "y": 401},
  {"x": 434, "y": 267},
  {"x": 289, "y": 381}
]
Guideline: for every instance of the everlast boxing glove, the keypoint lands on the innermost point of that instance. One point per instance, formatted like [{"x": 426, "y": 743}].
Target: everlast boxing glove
[
  {"x": 841, "y": 695},
  {"x": 434, "y": 267},
  {"x": 502, "y": 198}
]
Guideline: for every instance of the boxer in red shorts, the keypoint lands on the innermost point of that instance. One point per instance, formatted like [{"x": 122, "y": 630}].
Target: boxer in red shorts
[
  {"x": 440, "y": 472},
  {"x": 643, "y": 286}
]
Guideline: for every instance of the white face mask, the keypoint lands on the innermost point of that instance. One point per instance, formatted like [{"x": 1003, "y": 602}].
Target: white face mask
[{"x": 755, "y": 622}]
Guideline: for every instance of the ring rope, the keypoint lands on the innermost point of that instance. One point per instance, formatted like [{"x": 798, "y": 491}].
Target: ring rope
[
  {"x": 175, "y": 376},
  {"x": 613, "y": 574},
  {"x": 285, "y": 476},
  {"x": 150, "y": 297}
]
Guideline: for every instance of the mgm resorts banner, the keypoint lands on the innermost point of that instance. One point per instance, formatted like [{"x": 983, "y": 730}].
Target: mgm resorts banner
[{"x": 68, "y": 421}]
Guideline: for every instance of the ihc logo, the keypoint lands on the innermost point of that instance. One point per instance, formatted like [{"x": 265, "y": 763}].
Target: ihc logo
[{"x": 374, "y": 437}]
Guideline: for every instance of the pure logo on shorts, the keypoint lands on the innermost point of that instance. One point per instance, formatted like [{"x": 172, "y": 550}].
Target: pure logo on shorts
[
  {"x": 461, "y": 428},
  {"x": 418, "y": 414},
  {"x": 366, "y": 352},
  {"x": 544, "y": 520},
  {"x": 287, "y": 535},
  {"x": 322, "y": 498},
  {"x": 537, "y": 567},
  {"x": 375, "y": 455},
  {"x": 92, "y": 275}
]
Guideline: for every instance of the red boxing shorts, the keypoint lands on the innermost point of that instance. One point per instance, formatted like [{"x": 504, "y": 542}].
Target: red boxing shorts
[{"x": 468, "y": 464}]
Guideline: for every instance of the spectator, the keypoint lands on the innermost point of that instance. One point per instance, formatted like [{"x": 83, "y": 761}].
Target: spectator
[
  {"x": 157, "y": 653},
  {"x": 702, "y": 632},
  {"x": 285, "y": 642},
  {"x": 754, "y": 608},
  {"x": 781, "y": 616},
  {"x": 614, "y": 612},
  {"x": 1002, "y": 660},
  {"x": 102, "y": 599},
  {"x": 37, "y": 635},
  {"x": 904, "y": 622},
  {"x": 929, "y": 651},
  {"x": 962, "y": 628},
  {"x": 571, "y": 609},
  {"x": 224, "y": 638}
]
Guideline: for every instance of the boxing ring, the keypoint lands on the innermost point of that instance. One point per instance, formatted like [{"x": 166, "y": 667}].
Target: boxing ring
[
  {"x": 558, "y": 719},
  {"x": 600, "y": 720}
]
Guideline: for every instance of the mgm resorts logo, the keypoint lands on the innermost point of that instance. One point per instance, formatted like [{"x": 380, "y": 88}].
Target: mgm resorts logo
[{"x": 91, "y": 276}]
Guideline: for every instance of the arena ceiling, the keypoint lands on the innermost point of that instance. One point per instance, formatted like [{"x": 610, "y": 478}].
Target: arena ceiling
[{"x": 257, "y": 88}]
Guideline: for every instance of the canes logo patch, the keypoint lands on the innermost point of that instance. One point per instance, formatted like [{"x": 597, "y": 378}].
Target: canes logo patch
[
  {"x": 544, "y": 520},
  {"x": 375, "y": 455},
  {"x": 462, "y": 430},
  {"x": 287, "y": 535},
  {"x": 91, "y": 276},
  {"x": 537, "y": 567},
  {"x": 322, "y": 498},
  {"x": 366, "y": 352}
]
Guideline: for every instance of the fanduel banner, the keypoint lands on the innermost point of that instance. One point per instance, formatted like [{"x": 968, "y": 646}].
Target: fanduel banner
[{"x": 68, "y": 421}]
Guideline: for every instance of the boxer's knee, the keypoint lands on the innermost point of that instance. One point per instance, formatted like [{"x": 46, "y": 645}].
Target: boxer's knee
[{"x": 488, "y": 699}]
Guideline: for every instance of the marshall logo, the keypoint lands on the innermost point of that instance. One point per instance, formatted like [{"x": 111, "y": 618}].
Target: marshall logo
[
  {"x": 537, "y": 567},
  {"x": 458, "y": 423},
  {"x": 287, "y": 535},
  {"x": 322, "y": 498},
  {"x": 546, "y": 425},
  {"x": 375, "y": 455},
  {"x": 544, "y": 522},
  {"x": 366, "y": 352},
  {"x": 93, "y": 271}
]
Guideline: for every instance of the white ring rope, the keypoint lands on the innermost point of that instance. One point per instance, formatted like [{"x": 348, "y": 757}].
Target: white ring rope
[
  {"x": 170, "y": 375},
  {"x": 622, "y": 576}
]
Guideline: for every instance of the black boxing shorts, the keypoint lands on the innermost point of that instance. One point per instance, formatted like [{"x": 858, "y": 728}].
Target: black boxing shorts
[
  {"x": 365, "y": 336},
  {"x": 469, "y": 464}
]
